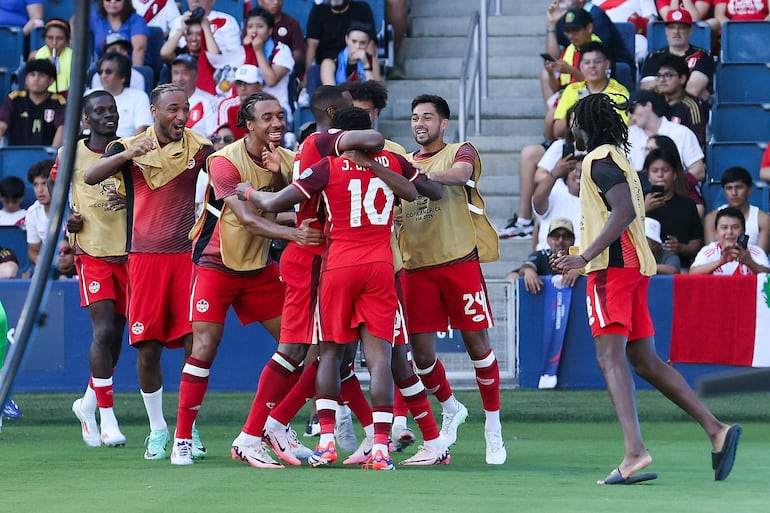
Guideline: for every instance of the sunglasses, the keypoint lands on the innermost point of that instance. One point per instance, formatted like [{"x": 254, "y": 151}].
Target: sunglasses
[
  {"x": 65, "y": 251},
  {"x": 666, "y": 76},
  {"x": 106, "y": 71},
  {"x": 227, "y": 139}
]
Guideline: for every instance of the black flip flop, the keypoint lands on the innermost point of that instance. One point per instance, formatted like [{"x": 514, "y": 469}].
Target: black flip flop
[
  {"x": 722, "y": 461},
  {"x": 616, "y": 478}
]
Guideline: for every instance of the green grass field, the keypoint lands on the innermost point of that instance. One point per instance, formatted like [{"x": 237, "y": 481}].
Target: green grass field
[{"x": 559, "y": 443}]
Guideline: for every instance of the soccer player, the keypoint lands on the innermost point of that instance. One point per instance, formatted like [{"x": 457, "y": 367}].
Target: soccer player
[
  {"x": 232, "y": 265},
  {"x": 357, "y": 291},
  {"x": 98, "y": 227},
  {"x": 442, "y": 243},
  {"x": 617, "y": 259},
  {"x": 299, "y": 270},
  {"x": 160, "y": 167}
]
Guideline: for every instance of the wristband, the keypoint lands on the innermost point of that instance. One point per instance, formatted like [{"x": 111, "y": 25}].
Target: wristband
[
  {"x": 584, "y": 258},
  {"x": 248, "y": 193},
  {"x": 551, "y": 31}
]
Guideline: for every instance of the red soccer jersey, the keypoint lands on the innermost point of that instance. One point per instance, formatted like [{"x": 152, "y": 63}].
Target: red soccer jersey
[
  {"x": 313, "y": 149},
  {"x": 161, "y": 219},
  {"x": 359, "y": 208}
]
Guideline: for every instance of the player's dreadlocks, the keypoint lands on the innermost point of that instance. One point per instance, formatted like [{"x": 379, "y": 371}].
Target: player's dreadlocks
[
  {"x": 246, "y": 112},
  {"x": 596, "y": 115}
]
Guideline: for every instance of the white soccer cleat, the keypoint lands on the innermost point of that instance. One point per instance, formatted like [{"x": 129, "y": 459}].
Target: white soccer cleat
[
  {"x": 427, "y": 455},
  {"x": 255, "y": 455},
  {"x": 403, "y": 437},
  {"x": 88, "y": 427},
  {"x": 496, "y": 453},
  {"x": 452, "y": 421},
  {"x": 279, "y": 440},
  {"x": 298, "y": 449},
  {"x": 113, "y": 437},
  {"x": 344, "y": 433},
  {"x": 362, "y": 454},
  {"x": 181, "y": 453}
]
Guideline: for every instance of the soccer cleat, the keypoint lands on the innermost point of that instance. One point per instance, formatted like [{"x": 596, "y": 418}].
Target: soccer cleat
[
  {"x": 255, "y": 455},
  {"x": 427, "y": 455},
  {"x": 516, "y": 229},
  {"x": 198, "y": 449},
  {"x": 451, "y": 422},
  {"x": 181, "y": 454},
  {"x": 496, "y": 453},
  {"x": 279, "y": 440},
  {"x": 88, "y": 427},
  {"x": 112, "y": 437},
  {"x": 299, "y": 450},
  {"x": 313, "y": 428},
  {"x": 323, "y": 455},
  {"x": 343, "y": 430},
  {"x": 362, "y": 454},
  {"x": 379, "y": 462},
  {"x": 403, "y": 436},
  {"x": 11, "y": 410},
  {"x": 156, "y": 444}
]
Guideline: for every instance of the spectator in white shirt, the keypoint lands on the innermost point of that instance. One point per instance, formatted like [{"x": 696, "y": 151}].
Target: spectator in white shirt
[
  {"x": 37, "y": 214},
  {"x": 730, "y": 254}
]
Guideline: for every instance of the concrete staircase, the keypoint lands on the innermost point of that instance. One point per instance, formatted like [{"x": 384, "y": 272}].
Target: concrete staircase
[{"x": 512, "y": 115}]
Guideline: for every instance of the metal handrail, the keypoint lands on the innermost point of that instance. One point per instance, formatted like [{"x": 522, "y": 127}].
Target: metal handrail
[{"x": 476, "y": 48}]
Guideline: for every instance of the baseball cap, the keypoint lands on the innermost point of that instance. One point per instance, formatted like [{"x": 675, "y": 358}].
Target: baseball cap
[
  {"x": 679, "y": 16},
  {"x": 248, "y": 73},
  {"x": 577, "y": 18},
  {"x": 116, "y": 37},
  {"x": 561, "y": 222},
  {"x": 186, "y": 59},
  {"x": 652, "y": 229},
  {"x": 644, "y": 96}
]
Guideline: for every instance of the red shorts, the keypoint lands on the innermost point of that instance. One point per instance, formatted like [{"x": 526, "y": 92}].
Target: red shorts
[
  {"x": 159, "y": 297},
  {"x": 255, "y": 298},
  {"x": 300, "y": 270},
  {"x": 351, "y": 296},
  {"x": 102, "y": 281},
  {"x": 616, "y": 300},
  {"x": 452, "y": 295},
  {"x": 400, "y": 329}
]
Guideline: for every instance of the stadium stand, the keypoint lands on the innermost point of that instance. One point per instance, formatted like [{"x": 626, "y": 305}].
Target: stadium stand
[
  {"x": 714, "y": 195},
  {"x": 5, "y": 82},
  {"x": 152, "y": 58},
  {"x": 12, "y": 43},
  {"x": 656, "y": 36},
  {"x": 298, "y": 9},
  {"x": 740, "y": 122},
  {"x": 623, "y": 72},
  {"x": 15, "y": 239},
  {"x": 723, "y": 155},
  {"x": 15, "y": 160},
  {"x": 746, "y": 41},
  {"x": 63, "y": 9},
  {"x": 738, "y": 82}
]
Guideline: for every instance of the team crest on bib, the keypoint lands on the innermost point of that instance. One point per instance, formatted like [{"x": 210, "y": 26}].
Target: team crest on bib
[
  {"x": 94, "y": 287},
  {"x": 191, "y": 164},
  {"x": 137, "y": 328},
  {"x": 202, "y": 306}
]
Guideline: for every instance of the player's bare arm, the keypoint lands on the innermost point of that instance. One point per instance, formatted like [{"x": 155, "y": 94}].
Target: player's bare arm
[
  {"x": 370, "y": 141},
  {"x": 107, "y": 166},
  {"x": 401, "y": 187},
  {"x": 269, "y": 201},
  {"x": 434, "y": 191},
  {"x": 271, "y": 160},
  {"x": 621, "y": 214},
  {"x": 458, "y": 174},
  {"x": 255, "y": 224}
]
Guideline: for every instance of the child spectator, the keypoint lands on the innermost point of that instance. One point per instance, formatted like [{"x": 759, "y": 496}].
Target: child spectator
[
  {"x": 353, "y": 63},
  {"x": 12, "y": 195},
  {"x": 37, "y": 214},
  {"x": 729, "y": 255}
]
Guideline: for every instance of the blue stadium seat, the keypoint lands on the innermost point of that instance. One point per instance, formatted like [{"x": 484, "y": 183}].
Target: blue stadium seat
[
  {"x": 149, "y": 78},
  {"x": 740, "y": 122},
  {"x": 15, "y": 160},
  {"x": 37, "y": 38},
  {"x": 5, "y": 82},
  {"x": 15, "y": 239},
  {"x": 12, "y": 43},
  {"x": 63, "y": 9},
  {"x": 723, "y": 155},
  {"x": 623, "y": 72},
  {"x": 715, "y": 198},
  {"x": 302, "y": 116},
  {"x": 746, "y": 41},
  {"x": 29, "y": 197},
  {"x": 656, "y": 36},
  {"x": 299, "y": 10},
  {"x": 152, "y": 57},
  {"x": 743, "y": 82}
]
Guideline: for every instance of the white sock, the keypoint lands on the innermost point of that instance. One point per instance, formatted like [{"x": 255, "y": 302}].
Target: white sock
[
  {"x": 369, "y": 431},
  {"x": 380, "y": 447},
  {"x": 436, "y": 443},
  {"x": 523, "y": 221},
  {"x": 450, "y": 405},
  {"x": 325, "y": 439},
  {"x": 399, "y": 421},
  {"x": 153, "y": 404},
  {"x": 492, "y": 422},
  {"x": 88, "y": 404},
  {"x": 247, "y": 439},
  {"x": 108, "y": 420},
  {"x": 273, "y": 424}
]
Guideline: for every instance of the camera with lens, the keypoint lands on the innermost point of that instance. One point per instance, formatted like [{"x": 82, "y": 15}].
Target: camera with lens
[{"x": 196, "y": 16}]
